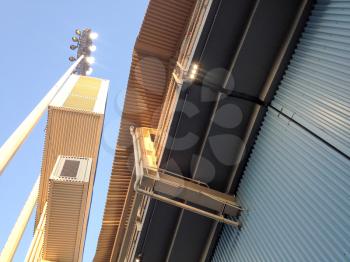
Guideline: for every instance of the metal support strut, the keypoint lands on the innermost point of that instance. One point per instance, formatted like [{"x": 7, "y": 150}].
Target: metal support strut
[{"x": 176, "y": 190}]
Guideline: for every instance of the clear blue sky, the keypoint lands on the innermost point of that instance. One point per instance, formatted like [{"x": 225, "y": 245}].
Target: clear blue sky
[{"x": 35, "y": 39}]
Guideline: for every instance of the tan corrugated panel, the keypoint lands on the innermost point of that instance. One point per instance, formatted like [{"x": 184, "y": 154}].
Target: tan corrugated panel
[
  {"x": 163, "y": 26},
  {"x": 72, "y": 130},
  {"x": 66, "y": 209},
  {"x": 64, "y": 220},
  {"x": 70, "y": 133},
  {"x": 155, "y": 51},
  {"x": 142, "y": 110},
  {"x": 84, "y": 94}
]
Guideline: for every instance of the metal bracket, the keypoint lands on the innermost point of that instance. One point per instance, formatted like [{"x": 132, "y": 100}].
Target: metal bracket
[{"x": 177, "y": 190}]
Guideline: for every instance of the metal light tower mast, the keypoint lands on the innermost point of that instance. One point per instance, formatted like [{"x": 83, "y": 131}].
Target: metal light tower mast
[
  {"x": 83, "y": 60},
  {"x": 83, "y": 40},
  {"x": 81, "y": 66}
]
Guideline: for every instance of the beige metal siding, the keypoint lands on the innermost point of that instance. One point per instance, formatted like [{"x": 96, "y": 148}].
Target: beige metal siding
[
  {"x": 73, "y": 128},
  {"x": 163, "y": 26},
  {"x": 66, "y": 209},
  {"x": 155, "y": 51},
  {"x": 84, "y": 94},
  {"x": 63, "y": 223},
  {"x": 70, "y": 133},
  {"x": 73, "y": 133}
]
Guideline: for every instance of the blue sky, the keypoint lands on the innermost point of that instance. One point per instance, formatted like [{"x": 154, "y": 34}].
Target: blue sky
[{"x": 35, "y": 39}]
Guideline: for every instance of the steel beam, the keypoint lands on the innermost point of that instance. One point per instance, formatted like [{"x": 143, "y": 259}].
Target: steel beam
[{"x": 16, "y": 234}]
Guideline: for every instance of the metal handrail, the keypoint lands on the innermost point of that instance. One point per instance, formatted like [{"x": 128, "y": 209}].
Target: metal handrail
[
  {"x": 139, "y": 171},
  {"x": 219, "y": 218}
]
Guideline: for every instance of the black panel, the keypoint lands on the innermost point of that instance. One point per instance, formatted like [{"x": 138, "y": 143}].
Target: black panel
[
  {"x": 219, "y": 46},
  {"x": 216, "y": 53},
  {"x": 70, "y": 168},
  {"x": 188, "y": 247},
  {"x": 267, "y": 31},
  {"x": 161, "y": 228},
  {"x": 252, "y": 64},
  {"x": 265, "y": 37}
]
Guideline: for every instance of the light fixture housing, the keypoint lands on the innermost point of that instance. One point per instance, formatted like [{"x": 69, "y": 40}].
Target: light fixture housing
[
  {"x": 90, "y": 60},
  {"x": 72, "y": 58},
  {"x": 194, "y": 71},
  {"x": 89, "y": 71},
  {"x": 92, "y": 48},
  {"x": 73, "y": 47},
  {"x": 77, "y": 31},
  {"x": 138, "y": 258},
  {"x": 75, "y": 39},
  {"x": 93, "y": 35}
]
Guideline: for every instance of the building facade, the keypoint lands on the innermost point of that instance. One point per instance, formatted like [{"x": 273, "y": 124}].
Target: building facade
[
  {"x": 254, "y": 104},
  {"x": 296, "y": 183}
]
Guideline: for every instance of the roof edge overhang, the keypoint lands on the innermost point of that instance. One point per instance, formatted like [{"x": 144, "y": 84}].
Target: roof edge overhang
[{"x": 156, "y": 48}]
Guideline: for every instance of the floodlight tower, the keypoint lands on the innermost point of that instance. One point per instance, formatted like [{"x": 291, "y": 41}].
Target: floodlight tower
[
  {"x": 82, "y": 61},
  {"x": 69, "y": 97},
  {"x": 83, "y": 43}
]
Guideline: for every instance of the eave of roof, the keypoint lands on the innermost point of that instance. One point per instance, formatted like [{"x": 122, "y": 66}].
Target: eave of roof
[{"x": 155, "y": 51}]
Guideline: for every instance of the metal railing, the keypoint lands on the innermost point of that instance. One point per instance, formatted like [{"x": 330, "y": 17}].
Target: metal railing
[{"x": 193, "y": 191}]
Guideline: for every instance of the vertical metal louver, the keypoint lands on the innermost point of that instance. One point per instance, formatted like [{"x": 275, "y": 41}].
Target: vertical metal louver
[
  {"x": 296, "y": 188},
  {"x": 296, "y": 191}
]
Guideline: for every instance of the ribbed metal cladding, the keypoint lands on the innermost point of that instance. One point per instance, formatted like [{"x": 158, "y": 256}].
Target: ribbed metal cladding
[
  {"x": 155, "y": 51},
  {"x": 296, "y": 193},
  {"x": 66, "y": 209},
  {"x": 296, "y": 188},
  {"x": 72, "y": 133},
  {"x": 315, "y": 89},
  {"x": 64, "y": 218},
  {"x": 163, "y": 27},
  {"x": 142, "y": 107}
]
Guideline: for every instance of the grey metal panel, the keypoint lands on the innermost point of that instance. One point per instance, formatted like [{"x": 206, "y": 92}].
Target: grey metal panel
[
  {"x": 316, "y": 87},
  {"x": 296, "y": 190}
]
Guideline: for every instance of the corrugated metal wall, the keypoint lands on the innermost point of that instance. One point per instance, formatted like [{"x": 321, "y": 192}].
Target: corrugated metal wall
[
  {"x": 296, "y": 191},
  {"x": 296, "y": 188},
  {"x": 316, "y": 87}
]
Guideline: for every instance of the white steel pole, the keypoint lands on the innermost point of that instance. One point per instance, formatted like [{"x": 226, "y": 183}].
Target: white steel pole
[
  {"x": 35, "y": 248},
  {"x": 18, "y": 229},
  {"x": 9, "y": 148}
]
